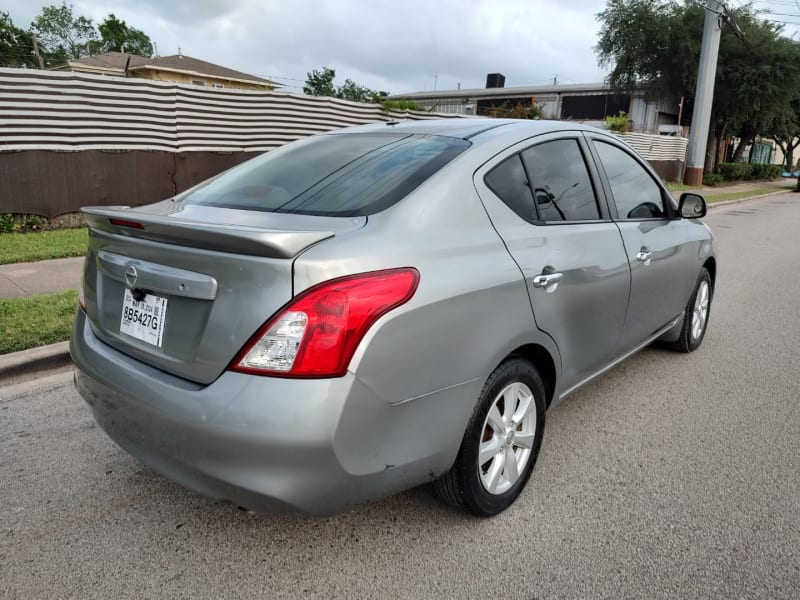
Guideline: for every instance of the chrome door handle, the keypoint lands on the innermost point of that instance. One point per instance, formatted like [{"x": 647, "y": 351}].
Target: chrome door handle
[
  {"x": 543, "y": 281},
  {"x": 644, "y": 256}
]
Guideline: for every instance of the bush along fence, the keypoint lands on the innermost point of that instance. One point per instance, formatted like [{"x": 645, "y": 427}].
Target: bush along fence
[
  {"x": 748, "y": 171},
  {"x": 70, "y": 139}
]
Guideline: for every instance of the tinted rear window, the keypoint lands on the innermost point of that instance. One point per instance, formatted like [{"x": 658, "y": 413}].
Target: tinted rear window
[{"x": 333, "y": 175}]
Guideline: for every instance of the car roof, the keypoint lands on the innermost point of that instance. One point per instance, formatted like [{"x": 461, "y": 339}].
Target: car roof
[
  {"x": 471, "y": 128},
  {"x": 467, "y": 127}
]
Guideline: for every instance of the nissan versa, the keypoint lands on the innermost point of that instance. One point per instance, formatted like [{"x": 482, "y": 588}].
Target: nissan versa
[{"x": 363, "y": 311}]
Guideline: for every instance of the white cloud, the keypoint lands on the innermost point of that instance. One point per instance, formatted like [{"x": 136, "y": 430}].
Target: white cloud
[{"x": 384, "y": 44}]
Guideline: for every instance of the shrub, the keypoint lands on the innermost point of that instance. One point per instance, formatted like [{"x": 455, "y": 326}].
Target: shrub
[
  {"x": 734, "y": 171},
  {"x": 8, "y": 224},
  {"x": 712, "y": 179},
  {"x": 518, "y": 111},
  {"x": 401, "y": 104},
  {"x": 766, "y": 171},
  {"x": 748, "y": 171},
  {"x": 31, "y": 223},
  {"x": 621, "y": 123}
]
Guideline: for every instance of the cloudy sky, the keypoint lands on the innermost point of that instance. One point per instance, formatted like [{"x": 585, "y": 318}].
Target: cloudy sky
[{"x": 398, "y": 46}]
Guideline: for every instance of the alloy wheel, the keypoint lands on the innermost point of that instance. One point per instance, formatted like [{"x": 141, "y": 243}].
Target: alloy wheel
[
  {"x": 508, "y": 435},
  {"x": 700, "y": 312}
]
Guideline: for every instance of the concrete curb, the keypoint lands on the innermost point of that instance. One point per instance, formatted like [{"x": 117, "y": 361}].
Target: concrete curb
[
  {"x": 747, "y": 198},
  {"x": 34, "y": 360}
]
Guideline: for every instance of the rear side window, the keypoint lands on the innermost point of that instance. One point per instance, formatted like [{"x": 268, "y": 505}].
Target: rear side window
[
  {"x": 510, "y": 183},
  {"x": 562, "y": 188},
  {"x": 341, "y": 175}
]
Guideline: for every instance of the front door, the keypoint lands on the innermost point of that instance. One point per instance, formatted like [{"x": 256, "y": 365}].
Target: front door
[{"x": 658, "y": 254}]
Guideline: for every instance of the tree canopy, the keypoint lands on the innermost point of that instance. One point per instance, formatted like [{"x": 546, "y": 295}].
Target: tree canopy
[
  {"x": 62, "y": 34},
  {"x": 116, "y": 36},
  {"x": 655, "y": 46},
  {"x": 320, "y": 83},
  {"x": 16, "y": 45}
]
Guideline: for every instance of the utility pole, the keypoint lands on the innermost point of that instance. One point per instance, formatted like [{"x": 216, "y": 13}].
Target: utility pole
[
  {"x": 36, "y": 51},
  {"x": 704, "y": 94}
]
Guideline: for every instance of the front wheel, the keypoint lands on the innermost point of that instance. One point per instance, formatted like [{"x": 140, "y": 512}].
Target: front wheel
[
  {"x": 695, "y": 317},
  {"x": 501, "y": 443}
]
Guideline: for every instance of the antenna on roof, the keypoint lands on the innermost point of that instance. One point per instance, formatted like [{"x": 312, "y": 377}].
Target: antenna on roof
[{"x": 179, "y": 52}]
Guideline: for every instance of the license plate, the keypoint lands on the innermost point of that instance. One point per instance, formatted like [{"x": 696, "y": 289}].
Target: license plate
[{"x": 144, "y": 319}]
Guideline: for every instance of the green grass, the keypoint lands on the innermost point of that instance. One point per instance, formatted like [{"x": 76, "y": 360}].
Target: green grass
[
  {"x": 712, "y": 198},
  {"x": 674, "y": 186},
  {"x": 36, "y": 321},
  {"x": 43, "y": 245}
]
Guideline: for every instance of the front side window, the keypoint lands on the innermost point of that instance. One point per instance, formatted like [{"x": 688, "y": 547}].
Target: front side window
[
  {"x": 338, "y": 175},
  {"x": 562, "y": 188},
  {"x": 636, "y": 195}
]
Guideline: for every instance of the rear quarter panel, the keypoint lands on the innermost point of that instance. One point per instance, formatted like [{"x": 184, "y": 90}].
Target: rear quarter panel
[{"x": 427, "y": 360}]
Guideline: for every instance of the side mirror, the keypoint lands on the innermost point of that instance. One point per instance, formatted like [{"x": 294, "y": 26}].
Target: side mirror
[{"x": 692, "y": 206}]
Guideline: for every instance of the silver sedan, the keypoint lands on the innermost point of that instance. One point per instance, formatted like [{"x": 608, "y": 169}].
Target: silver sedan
[{"x": 371, "y": 309}]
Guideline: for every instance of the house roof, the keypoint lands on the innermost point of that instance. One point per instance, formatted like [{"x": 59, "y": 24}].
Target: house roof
[
  {"x": 118, "y": 62},
  {"x": 524, "y": 90}
]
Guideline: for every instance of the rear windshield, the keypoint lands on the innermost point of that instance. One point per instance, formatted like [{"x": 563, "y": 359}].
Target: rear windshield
[{"x": 341, "y": 175}]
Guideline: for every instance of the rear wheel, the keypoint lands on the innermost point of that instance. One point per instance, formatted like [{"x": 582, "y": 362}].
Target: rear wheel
[
  {"x": 695, "y": 317},
  {"x": 501, "y": 443}
]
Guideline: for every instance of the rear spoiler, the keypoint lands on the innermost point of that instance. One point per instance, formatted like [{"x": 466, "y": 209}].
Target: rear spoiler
[{"x": 238, "y": 239}]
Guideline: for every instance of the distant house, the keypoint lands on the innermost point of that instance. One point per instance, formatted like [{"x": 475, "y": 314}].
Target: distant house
[
  {"x": 585, "y": 102},
  {"x": 178, "y": 67}
]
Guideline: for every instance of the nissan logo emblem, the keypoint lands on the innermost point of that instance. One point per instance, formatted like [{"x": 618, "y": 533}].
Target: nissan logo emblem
[{"x": 131, "y": 275}]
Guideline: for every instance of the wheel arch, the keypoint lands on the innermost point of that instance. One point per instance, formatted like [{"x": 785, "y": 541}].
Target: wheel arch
[
  {"x": 540, "y": 358},
  {"x": 711, "y": 266}
]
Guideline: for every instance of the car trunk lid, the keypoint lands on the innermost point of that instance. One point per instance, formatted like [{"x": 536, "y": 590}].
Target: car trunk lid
[{"x": 182, "y": 288}]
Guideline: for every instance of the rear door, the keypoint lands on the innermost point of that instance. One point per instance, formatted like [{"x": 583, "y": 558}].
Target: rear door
[
  {"x": 662, "y": 257},
  {"x": 542, "y": 199}
]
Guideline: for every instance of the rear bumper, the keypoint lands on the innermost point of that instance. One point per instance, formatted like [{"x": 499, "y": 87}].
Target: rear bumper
[{"x": 266, "y": 444}]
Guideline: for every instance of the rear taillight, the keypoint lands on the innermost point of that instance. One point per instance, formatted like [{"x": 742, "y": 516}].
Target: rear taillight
[
  {"x": 81, "y": 292},
  {"x": 316, "y": 334},
  {"x": 126, "y": 223}
]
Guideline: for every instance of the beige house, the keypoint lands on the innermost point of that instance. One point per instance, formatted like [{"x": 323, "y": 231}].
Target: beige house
[{"x": 178, "y": 67}]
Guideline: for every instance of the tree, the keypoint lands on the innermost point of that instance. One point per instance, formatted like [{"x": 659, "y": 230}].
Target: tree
[
  {"x": 116, "y": 36},
  {"x": 354, "y": 92},
  {"x": 785, "y": 132},
  {"x": 655, "y": 46},
  {"x": 16, "y": 45},
  {"x": 320, "y": 83},
  {"x": 62, "y": 34}
]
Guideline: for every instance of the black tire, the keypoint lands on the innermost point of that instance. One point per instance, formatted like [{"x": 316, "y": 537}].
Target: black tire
[
  {"x": 463, "y": 486},
  {"x": 689, "y": 339}
]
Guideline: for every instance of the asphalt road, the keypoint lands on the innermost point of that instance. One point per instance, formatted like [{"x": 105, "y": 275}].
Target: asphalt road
[{"x": 673, "y": 476}]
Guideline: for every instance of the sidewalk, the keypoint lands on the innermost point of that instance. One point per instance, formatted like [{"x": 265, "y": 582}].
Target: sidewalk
[
  {"x": 18, "y": 280},
  {"x": 788, "y": 184}
]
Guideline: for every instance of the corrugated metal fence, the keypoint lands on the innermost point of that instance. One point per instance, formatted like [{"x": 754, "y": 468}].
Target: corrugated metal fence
[
  {"x": 45, "y": 110},
  {"x": 69, "y": 139},
  {"x": 657, "y": 147}
]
